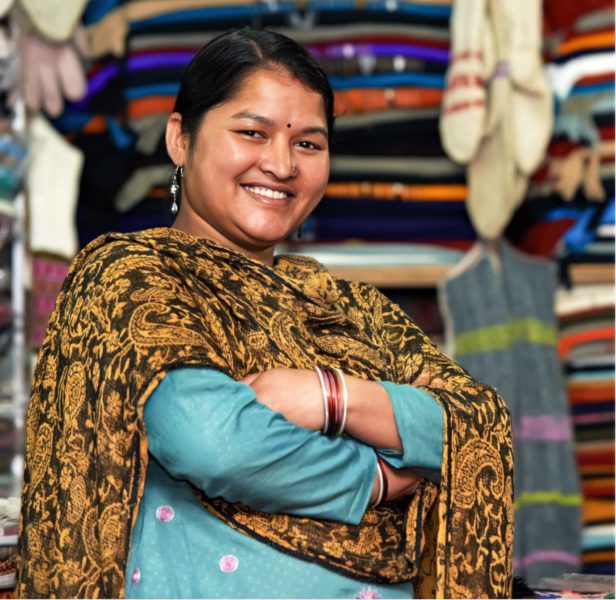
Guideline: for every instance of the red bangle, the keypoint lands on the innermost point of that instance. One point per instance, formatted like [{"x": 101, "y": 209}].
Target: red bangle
[
  {"x": 385, "y": 482},
  {"x": 333, "y": 401}
]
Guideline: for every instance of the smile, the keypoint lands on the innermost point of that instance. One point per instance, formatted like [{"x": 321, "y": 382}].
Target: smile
[{"x": 266, "y": 192}]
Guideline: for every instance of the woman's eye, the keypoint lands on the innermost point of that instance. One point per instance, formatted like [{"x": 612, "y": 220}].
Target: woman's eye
[
  {"x": 250, "y": 133},
  {"x": 308, "y": 145}
]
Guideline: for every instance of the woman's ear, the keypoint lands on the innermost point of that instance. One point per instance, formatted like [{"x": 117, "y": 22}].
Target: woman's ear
[{"x": 177, "y": 140}]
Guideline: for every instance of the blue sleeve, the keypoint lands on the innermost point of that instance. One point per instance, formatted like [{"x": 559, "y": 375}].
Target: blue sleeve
[
  {"x": 419, "y": 418},
  {"x": 209, "y": 429}
]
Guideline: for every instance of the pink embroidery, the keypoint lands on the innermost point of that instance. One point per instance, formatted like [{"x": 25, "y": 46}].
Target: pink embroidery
[
  {"x": 368, "y": 592},
  {"x": 165, "y": 513},
  {"x": 229, "y": 563},
  {"x": 135, "y": 577}
]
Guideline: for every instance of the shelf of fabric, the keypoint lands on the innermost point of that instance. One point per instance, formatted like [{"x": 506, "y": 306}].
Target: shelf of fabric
[
  {"x": 382, "y": 265},
  {"x": 591, "y": 273}
]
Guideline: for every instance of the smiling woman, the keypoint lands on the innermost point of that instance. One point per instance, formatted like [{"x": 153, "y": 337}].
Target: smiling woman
[
  {"x": 249, "y": 178},
  {"x": 210, "y": 420}
]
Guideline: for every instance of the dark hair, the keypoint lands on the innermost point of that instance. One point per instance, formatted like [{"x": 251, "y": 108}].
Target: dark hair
[{"x": 217, "y": 71}]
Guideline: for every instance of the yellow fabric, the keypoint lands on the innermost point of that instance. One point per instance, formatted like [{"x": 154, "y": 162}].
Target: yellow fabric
[{"x": 132, "y": 307}]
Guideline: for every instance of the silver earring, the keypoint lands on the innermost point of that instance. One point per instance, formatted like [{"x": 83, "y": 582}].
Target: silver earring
[{"x": 178, "y": 174}]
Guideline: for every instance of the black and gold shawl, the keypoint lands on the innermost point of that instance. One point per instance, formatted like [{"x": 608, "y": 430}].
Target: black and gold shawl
[{"x": 134, "y": 306}]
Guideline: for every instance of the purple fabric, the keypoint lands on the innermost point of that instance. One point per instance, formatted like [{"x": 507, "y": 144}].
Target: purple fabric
[
  {"x": 545, "y": 427},
  {"x": 546, "y": 556},
  {"x": 167, "y": 59},
  {"x": 102, "y": 77},
  {"x": 377, "y": 49}
]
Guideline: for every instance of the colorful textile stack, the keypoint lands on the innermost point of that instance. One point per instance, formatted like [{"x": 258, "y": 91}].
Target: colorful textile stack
[
  {"x": 570, "y": 210},
  {"x": 47, "y": 277},
  {"x": 9, "y": 524},
  {"x": 586, "y": 347}
]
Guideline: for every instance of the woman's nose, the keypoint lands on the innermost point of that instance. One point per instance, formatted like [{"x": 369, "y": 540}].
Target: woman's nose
[{"x": 277, "y": 159}]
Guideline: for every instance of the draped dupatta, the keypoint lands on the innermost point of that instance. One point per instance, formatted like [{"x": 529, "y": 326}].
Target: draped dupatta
[{"x": 133, "y": 307}]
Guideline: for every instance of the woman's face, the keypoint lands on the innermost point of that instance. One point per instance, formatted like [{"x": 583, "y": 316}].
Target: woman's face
[{"x": 259, "y": 164}]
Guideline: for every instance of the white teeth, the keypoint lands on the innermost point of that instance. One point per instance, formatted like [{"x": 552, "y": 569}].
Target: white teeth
[{"x": 263, "y": 191}]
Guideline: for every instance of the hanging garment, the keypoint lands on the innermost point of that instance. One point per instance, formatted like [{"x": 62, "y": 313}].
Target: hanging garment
[
  {"x": 501, "y": 324},
  {"x": 53, "y": 185}
]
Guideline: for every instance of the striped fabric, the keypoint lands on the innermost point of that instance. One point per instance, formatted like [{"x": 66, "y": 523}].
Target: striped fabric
[{"x": 590, "y": 386}]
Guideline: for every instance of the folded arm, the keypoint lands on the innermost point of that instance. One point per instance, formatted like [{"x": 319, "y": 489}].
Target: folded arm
[{"x": 210, "y": 430}]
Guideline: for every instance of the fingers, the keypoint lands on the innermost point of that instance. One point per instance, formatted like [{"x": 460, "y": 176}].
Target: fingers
[
  {"x": 250, "y": 378},
  {"x": 425, "y": 379},
  {"x": 422, "y": 379}
]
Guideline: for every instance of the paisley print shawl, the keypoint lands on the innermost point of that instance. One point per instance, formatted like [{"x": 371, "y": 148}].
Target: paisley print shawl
[{"x": 134, "y": 306}]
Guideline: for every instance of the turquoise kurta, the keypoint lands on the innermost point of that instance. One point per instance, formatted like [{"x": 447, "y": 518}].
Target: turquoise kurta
[{"x": 208, "y": 429}]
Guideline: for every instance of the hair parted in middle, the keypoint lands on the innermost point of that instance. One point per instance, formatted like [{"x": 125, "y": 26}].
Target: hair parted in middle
[{"x": 217, "y": 71}]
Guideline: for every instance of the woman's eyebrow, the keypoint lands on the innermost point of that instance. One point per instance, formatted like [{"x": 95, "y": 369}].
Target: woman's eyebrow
[{"x": 246, "y": 114}]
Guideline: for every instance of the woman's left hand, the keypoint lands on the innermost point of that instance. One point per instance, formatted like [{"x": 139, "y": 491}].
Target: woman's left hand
[{"x": 295, "y": 393}]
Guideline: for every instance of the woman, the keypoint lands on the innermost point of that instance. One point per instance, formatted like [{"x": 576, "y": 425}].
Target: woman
[{"x": 223, "y": 484}]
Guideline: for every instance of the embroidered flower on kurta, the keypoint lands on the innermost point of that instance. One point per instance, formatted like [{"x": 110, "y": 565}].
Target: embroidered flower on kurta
[
  {"x": 135, "y": 577},
  {"x": 368, "y": 592},
  {"x": 229, "y": 563},
  {"x": 165, "y": 513}
]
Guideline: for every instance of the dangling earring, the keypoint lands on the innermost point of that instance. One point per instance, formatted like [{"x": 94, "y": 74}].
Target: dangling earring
[{"x": 178, "y": 174}]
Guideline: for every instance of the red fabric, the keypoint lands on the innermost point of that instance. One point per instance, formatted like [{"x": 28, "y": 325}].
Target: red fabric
[
  {"x": 541, "y": 238},
  {"x": 568, "y": 341},
  {"x": 561, "y": 15},
  {"x": 607, "y": 132}
]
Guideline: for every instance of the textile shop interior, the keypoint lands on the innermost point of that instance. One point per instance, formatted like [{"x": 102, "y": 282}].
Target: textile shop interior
[{"x": 472, "y": 180}]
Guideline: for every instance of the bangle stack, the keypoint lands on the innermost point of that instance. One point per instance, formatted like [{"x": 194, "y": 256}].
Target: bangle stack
[
  {"x": 335, "y": 400},
  {"x": 384, "y": 484}
]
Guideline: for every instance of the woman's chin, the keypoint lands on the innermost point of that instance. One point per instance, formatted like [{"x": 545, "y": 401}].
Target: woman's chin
[{"x": 268, "y": 237}]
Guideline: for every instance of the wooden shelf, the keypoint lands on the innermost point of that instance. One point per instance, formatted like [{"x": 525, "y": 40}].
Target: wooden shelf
[
  {"x": 411, "y": 276},
  {"x": 420, "y": 276}
]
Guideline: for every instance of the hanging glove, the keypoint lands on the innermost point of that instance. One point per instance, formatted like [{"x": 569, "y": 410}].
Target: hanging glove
[
  {"x": 463, "y": 113},
  {"x": 56, "y": 20},
  {"x": 48, "y": 72},
  {"x": 531, "y": 102}
]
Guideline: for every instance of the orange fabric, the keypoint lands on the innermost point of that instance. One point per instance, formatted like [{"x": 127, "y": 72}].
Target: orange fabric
[
  {"x": 588, "y": 41},
  {"x": 143, "y": 107},
  {"x": 366, "y": 100},
  {"x": 397, "y": 191},
  {"x": 604, "y": 556},
  {"x": 595, "y": 510},
  {"x": 95, "y": 125},
  {"x": 573, "y": 339},
  {"x": 591, "y": 384},
  {"x": 581, "y": 396}
]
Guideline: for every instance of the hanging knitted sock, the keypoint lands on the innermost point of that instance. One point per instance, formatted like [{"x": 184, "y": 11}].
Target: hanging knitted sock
[
  {"x": 531, "y": 103},
  {"x": 463, "y": 113},
  {"x": 492, "y": 191}
]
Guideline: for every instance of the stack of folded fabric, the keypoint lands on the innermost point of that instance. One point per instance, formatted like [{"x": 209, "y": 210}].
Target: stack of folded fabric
[
  {"x": 586, "y": 346},
  {"x": 390, "y": 179},
  {"x": 569, "y": 213},
  {"x": 9, "y": 524}
]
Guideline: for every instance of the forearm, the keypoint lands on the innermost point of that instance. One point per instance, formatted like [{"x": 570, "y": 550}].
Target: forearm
[
  {"x": 210, "y": 430},
  {"x": 370, "y": 415}
]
